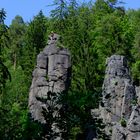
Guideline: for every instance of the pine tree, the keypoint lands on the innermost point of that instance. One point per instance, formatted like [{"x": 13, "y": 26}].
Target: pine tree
[
  {"x": 17, "y": 32},
  {"x": 35, "y": 41},
  {"x": 4, "y": 73}
]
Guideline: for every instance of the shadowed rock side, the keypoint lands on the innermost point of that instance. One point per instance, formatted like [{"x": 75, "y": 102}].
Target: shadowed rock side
[{"x": 51, "y": 77}]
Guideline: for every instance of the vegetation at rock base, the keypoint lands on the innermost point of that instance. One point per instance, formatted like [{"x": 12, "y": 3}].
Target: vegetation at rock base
[
  {"x": 92, "y": 32},
  {"x": 123, "y": 122}
]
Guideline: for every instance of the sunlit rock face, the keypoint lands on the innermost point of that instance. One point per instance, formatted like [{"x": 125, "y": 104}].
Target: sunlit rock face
[
  {"x": 118, "y": 91},
  {"x": 51, "y": 78},
  {"x": 120, "y": 108}
]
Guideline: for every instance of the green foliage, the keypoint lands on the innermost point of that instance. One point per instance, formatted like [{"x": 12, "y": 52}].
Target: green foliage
[
  {"x": 77, "y": 115},
  {"x": 35, "y": 41},
  {"x": 123, "y": 122},
  {"x": 134, "y": 20},
  {"x": 4, "y": 73},
  {"x": 16, "y": 34},
  {"x": 136, "y": 69},
  {"x": 36, "y": 33},
  {"x": 75, "y": 131},
  {"x": 13, "y": 102},
  {"x": 59, "y": 15},
  {"x": 15, "y": 122}
]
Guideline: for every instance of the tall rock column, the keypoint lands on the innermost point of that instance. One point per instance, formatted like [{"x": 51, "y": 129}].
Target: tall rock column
[
  {"x": 120, "y": 106},
  {"x": 118, "y": 91},
  {"x": 51, "y": 79}
]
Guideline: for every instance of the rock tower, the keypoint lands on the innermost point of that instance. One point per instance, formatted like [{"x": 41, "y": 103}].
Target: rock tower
[
  {"x": 51, "y": 79},
  {"x": 118, "y": 92},
  {"x": 120, "y": 110},
  {"x": 120, "y": 107}
]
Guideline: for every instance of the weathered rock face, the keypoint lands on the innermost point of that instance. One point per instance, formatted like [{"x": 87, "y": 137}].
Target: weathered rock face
[
  {"x": 133, "y": 125},
  {"x": 138, "y": 94},
  {"x": 119, "y": 132},
  {"x": 118, "y": 109},
  {"x": 51, "y": 78},
  {"x": 132, "y": 129},
  {"x": 118, "y": 91}
]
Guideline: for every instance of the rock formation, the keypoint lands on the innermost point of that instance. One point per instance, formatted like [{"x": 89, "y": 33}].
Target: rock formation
[
  {"x": 119, "y": 108},
  {"x": 118, "y": 91},
  {"x": 51, "y": 79},
  {"x": 133, "y": 125},
  {"x": 120, "y": 105},
  {"x": 132, "y": 129}
]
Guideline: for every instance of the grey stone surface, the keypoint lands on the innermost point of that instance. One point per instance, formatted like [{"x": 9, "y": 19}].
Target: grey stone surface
[
  {"x": 120, "y": 101},
  {"x": 51, "y": 77},
  {"x": 134, "y": 123},
  {"x": 120, "y": 107},
  {"x": 132, "y": 130},
  {"x": 119, "y": 132},
  {"x": 95, "y": 113},
  {"x": 138, "y": 94},
  {"x": 53, "y": 38},
  {"x": 118, "y": 91}
]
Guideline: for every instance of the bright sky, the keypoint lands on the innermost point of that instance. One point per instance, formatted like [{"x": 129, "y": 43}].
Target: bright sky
[{"x": 29, "y": 8}]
